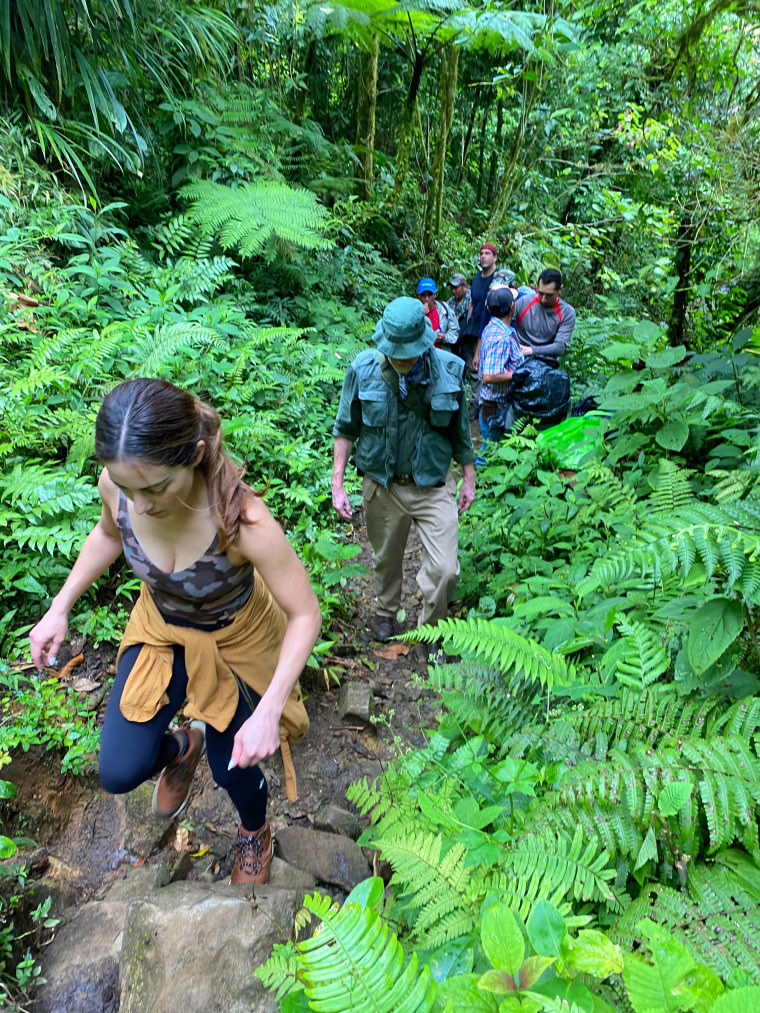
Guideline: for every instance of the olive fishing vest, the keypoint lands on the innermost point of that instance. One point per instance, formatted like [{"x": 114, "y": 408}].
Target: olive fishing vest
[{"x": 377, "y": 445}]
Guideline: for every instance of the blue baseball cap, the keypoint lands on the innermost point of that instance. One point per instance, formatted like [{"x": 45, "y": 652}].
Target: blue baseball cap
[{"x": 426, "y": 285}]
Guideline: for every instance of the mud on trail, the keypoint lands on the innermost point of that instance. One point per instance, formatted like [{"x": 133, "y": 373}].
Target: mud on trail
[{"x": 87, "y": 839}]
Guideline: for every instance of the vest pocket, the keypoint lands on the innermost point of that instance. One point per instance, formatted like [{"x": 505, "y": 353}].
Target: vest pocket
[
  {"x": 442, "y": 407},
  {"x": 374, "y": 409}
]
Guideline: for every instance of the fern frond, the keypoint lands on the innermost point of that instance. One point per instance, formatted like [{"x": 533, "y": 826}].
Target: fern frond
[
  {"x": 353, "y": 963},
  {"x": 496, "y": 645},
  {"x": 246, "y": 217},
  {"x": 549, "y": 865},
  {"x": 432, "y": 877},
  {"x": 717, "y": 916},
  {"x": 671, "y": 487},
  {"x": 643, "y": 658}
]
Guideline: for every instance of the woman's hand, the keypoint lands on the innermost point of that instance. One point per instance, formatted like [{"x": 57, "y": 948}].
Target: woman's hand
[
  {"x": 257, "y": 739},
  {"x": 47, "y": 636}
]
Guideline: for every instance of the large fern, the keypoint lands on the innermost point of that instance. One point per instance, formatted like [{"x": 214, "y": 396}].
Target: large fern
[
  {"x": 496, "y": 644},
  {"x": 247, "y": 217},
  {"x": 717, "y": 915},
  {"x": 352, "y": 963}
]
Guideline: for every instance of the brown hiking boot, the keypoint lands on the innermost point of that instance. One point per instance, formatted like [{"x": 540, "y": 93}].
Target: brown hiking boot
[
  {"x": 254, "y": 857},
  {"x": 173, "y": 786}
]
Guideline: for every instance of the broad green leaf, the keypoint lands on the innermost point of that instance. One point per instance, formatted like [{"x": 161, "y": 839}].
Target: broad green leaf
[
  {"x": 525, "y": 1004},
  {"x": 673, "y": 796},
  {"x": 468, "y": 812},
  {"x": 546, "y": 929},
  {"x": 621, "y": 350},
  {"x": 567, "y": 991},
  {"x": 648, "y": 849},
  {"x": 7, "y": 790},
  {"x": 502, "y": 939},
  {"x": 532, "y": 969},
  {"x": 7, "y": 847},
  {"x": 705, "y": 984},
  {"x": 516, "y": 775},
  {"x": 435, "y": 814},
  {"x": 593, "y": 953},
  {"x": 666, "y": 358},
  {"x": 738, "y": 1000},
  {"x": 650, "y": 985},
  {"x": 499, "y": 982},
  {"x": 295, "y": 1002},
  {"x": 646, "y": 332},
  {"x": 673, "y": 434},
  {"x": 368, "y": 893},
  {"x": 463, "y": 991},
  {"x": 713, "y": 628}
]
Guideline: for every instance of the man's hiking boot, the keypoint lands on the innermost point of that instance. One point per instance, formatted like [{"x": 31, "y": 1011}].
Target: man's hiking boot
[
  {"x": 173, "y": 786},
  {"x": 254, "y": 855},
  {"x": 383, "y": 627}
]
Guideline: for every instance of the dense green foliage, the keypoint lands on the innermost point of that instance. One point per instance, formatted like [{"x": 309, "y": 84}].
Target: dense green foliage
[{"x": 226, "y": 195}]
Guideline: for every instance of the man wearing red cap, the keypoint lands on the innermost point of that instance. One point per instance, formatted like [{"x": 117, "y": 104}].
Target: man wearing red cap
[{"x": 478, "y": 289}]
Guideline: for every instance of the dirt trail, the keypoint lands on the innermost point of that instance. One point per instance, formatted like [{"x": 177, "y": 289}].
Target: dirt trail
[{"x": 80, "y": 830}]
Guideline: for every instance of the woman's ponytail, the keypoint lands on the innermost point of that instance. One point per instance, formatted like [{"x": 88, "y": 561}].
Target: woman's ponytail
[{"x": 227, "y": 491}]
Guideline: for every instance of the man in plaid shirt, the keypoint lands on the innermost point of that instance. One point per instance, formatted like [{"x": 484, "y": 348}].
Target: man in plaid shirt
[{"x": 498, "y": 357}]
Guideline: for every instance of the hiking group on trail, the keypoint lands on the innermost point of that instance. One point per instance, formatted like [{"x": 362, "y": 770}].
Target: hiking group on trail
[
  {"x": 226, "y": 618},
  {"x": 405, "y": 408}
]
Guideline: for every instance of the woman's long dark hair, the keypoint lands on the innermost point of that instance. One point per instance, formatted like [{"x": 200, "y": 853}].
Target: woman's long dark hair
[{"x": 154, "y": 421}]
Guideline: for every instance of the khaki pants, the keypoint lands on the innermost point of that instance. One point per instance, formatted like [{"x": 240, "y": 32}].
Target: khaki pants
[{"x": 389, "y": 514}]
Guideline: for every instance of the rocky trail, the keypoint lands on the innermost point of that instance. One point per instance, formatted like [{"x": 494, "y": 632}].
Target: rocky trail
[{"x": 148, "y": 921}]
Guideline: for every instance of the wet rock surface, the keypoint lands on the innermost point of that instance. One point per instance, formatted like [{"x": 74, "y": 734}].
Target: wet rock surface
[
  {"x": 330, "y": 858},
  {"x": 106, "y": 855}
]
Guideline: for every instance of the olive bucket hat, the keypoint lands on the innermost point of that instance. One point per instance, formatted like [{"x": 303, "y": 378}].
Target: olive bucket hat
[{"x": 404, "y": 331}]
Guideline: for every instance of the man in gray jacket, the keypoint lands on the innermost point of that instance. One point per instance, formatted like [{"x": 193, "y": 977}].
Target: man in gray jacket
[
  {"x": 443, "y": 321},
  {"x": 544, "y": 322}
]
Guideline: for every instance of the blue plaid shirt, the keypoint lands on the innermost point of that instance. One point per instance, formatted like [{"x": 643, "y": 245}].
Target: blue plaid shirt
[{"x": 499, "y": 352}]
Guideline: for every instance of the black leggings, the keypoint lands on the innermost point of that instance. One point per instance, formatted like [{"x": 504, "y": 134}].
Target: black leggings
[{"x": 134, "y": 751}]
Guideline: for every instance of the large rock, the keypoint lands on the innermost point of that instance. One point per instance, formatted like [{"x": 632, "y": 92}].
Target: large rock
[
  {"x": 144, "y": 832},
  {"x": 355, "y": 702},
  {"x": 194, "y": 948},
  {"x": 336, "y": 820},
  {"x": 332, "y": 858},
  {"x": 81, "y": 965},
  {"x": 201, "y": 941}
]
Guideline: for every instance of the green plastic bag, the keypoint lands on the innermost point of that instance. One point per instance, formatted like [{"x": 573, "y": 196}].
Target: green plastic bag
[{"x": 572, "y": 440}]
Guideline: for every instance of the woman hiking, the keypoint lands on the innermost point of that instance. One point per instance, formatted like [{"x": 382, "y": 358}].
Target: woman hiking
[{"x": 226, "y": 616}]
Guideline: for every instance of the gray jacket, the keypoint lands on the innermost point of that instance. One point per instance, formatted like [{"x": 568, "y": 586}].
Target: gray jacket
[{"x": 449, "y": 323}]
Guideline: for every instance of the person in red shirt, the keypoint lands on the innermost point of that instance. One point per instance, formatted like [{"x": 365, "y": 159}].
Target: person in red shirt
[{"x": 443, "y": 321}]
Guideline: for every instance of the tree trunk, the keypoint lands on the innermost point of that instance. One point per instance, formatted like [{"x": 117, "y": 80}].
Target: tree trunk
[
  {"x": 498, "y": 143},
  {"x": 308, "y": 68},
  {"x": 482, "y": 153},
  {"x": 682, "y": 262},
  {"x": 467, "y": 140},
  {"x": 509, "y": 177},
  {"x": 404, "y": 149},
  {"x": 365, "y": 114},
  {"x": 447, "y": 96}
]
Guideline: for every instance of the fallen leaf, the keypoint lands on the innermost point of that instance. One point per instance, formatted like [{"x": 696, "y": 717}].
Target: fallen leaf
[
  {"x": 181, "y": 839},
  {"x": 201, "y": 853},
  {"x": 139, "y": 861},
  {"x": 392, "y": 651},
  {"x": 84, "y": 685},
  {"x": 69, "y": 667}
]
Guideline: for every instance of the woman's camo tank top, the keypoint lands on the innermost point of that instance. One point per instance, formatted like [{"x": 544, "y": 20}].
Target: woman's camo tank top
[{"x": 210, "y": 590}]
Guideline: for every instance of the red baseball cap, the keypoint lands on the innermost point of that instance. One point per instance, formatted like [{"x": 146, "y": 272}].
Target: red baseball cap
[{"x": 491, "y": 247}]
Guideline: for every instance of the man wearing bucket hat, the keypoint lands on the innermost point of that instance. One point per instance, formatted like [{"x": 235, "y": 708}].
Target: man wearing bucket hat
[
  {"x": 444, "y": 323},
  {"x": 403, "y": 405}
]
